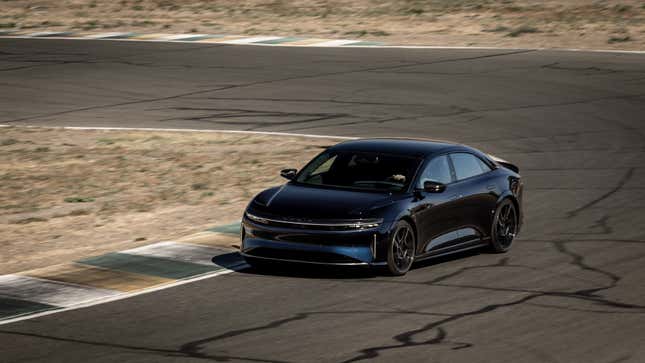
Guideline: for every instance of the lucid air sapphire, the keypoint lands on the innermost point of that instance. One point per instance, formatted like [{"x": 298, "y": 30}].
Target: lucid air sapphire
[{"x": 385, "y": 202}]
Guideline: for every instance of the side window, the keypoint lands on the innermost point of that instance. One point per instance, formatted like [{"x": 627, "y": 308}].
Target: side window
[
  {"x": 324, "y": 167},
  {"x": 467, "y": 165},
  {"x": 484, "y": 166},
  {"x": 437, "y": 170}
]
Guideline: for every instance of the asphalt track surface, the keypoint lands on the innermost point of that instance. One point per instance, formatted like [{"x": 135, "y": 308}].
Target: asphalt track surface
[{"x": 571, "y": 290}]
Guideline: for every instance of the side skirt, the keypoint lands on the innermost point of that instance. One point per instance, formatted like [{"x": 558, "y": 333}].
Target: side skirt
[{"x": 461, "y": 247}]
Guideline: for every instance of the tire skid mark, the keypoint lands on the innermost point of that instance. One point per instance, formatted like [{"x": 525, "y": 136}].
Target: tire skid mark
[{"x": 263, "y": 82}]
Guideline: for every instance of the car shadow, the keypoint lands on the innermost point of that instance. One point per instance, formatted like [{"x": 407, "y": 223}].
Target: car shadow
[
  {"x": 312, "y": 271},
  {"x": 230, "y": 260}
]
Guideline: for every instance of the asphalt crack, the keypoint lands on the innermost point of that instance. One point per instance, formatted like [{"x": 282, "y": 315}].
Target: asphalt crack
[
  {"x": 142, "y": 349},
  {"x": 621, "y": 183}
]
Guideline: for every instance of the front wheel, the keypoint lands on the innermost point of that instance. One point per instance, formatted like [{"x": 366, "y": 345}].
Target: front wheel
[
  {"x": 400, "y": 252},
  {"x": 504, "y": 226}
]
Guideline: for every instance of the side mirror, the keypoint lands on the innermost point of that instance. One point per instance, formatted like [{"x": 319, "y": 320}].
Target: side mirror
[
  {"x": 289, "y": 174},
  {"x": 433, "y": 187}
]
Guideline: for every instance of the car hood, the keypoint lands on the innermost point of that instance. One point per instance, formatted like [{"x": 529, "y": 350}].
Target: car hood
[{"x": 297, "y": 201}]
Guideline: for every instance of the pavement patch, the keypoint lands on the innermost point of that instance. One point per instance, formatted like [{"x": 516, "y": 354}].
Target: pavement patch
[
  {"x": 102, "y": 278},
  {"x": 281, "y": 40},
  {"x": 335, "y": 43},
  {"x": 233, "y": 228},
  {"x": 221, "y": 39},
  {"x": 49, "y": 34},
  {"x": 306, "y": 41},
  {"x": 187, "y": 37},
  {"x": 113, "y": 35},
  {"x": 209, "y": 238},
  {"x": 366, "y": 43},
  {"x": 184, "y": 252},
  {"x": 250, "y": 40},
  {"x": 154, "y": 266},
  {"x": 153, "y": 36}
]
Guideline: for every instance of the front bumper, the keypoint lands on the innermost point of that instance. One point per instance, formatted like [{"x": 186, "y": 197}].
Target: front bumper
[{"x": 307, "y": 245}]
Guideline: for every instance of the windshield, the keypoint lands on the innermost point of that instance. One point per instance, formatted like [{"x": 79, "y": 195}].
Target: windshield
[{"x": 360, "y": 170}]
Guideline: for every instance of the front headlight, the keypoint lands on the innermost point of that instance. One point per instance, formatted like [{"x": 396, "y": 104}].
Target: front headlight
[
  {"x": 256, "y": 218},
  {"x": 365, "y": 223}
]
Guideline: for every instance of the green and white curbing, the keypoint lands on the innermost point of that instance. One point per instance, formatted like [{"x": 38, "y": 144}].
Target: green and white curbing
[
  {"x": 118, "y": 275},
  {"x": 196, "y": 38}
]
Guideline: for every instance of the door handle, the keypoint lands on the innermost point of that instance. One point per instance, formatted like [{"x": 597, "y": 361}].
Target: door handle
[
  {"x": 455, "y": 196},
  {"x": 491, "y": 187}
]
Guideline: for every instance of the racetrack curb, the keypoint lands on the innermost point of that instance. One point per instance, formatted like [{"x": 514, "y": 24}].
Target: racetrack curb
[
  {"x": 280, "y": 41},
  {"x": 196, "y": 38},
  {"x": 119, "y": 275}
]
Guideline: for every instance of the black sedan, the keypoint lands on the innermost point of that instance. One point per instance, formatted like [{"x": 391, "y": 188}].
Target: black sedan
[{"x": 385, "y": 202}]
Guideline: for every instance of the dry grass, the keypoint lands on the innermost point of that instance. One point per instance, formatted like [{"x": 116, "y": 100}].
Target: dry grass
[
  {"x": 564, "y": 23},
  {"x": 66, "y": 194}
]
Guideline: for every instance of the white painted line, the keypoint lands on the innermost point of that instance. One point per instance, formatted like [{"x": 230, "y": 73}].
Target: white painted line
[
  {"x": 106, "y": 35},
  {"x": 596, "y": 50},
  {"x": 50, "y": 292},
  {"x": 179, "y": 251},
  {"x": 244, "y": 132},
  {"x": 124, "y": 295},
  {"x": 249, "y": 40},
  {"x": 334, "y": 43},
  {"x": 182, "y": 36}
]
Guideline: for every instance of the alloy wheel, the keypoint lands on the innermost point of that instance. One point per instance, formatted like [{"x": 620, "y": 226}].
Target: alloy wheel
[
  {"x": 402, "y": 248},
  {"x": 505, "y": 227}
]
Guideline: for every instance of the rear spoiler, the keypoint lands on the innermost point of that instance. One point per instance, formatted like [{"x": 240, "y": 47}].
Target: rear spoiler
[{"x": 505, "y": 163}]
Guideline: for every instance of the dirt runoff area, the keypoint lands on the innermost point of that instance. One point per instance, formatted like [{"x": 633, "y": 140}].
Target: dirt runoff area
[
  {"x": 67, "y": 194},
  {"x": 591, "y": 24}
]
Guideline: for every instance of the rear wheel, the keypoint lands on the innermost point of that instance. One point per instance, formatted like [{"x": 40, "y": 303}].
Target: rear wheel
[
  {"x": 504, "y": 226},
  {"x": 400, "y": 253}
]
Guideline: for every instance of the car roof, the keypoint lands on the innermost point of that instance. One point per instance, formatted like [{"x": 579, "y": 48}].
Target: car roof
[{"x": 401, "y": 146}]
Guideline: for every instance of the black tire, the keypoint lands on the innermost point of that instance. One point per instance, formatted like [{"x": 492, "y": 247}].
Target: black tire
[
  {"x": 504, "y": 227},
  {"x": 401, "y": 249}
]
